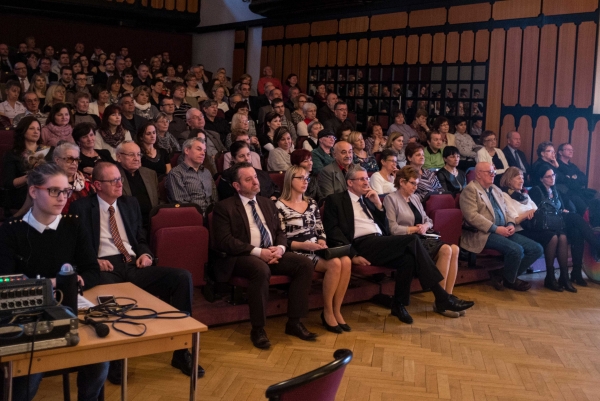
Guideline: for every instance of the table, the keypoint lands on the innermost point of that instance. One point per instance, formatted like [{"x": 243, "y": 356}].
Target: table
[{"x": 161, "y": 336}]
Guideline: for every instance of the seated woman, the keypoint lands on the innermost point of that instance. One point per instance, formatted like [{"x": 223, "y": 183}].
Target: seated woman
[
  {"x": 143, "y": 107},
  {"x": 491, "y": 154},
  {"x": 26, "y": 153},
  {"x": 399, "y": 125},
  {"x": 304, "y": 229},
  {"x": 154, "y": 157},
  {"x": 56, "y": 93},
  {"x": 11, "y": 107},
  {"x": 240, "y": 120},
  {"x": 382, "y": 181},
  {"x": 361, "y": 156},
  {"x": 395, "y": 142},
  {"x": 39, "y": 87},
  {"x": 66, "y": 155},
  {"x": 428, "y": 182},
  {"x": 442, "y": 125},
  {"x": 578, "y": 231},
  {"x": 520, "y": 207},
  {"x": 240, "y": 153},
  {"x": 101, "y": 95},
  {"x": 58, "y": 126},
  {"x": 298, "y": 112},
  {"x": 272, "y": 122},
  {"x": 450, "y": 177},
  {"x": 115, "y": 91},
  {"x": 85, "y": 137},
  {"x": 279, "y": 158},
  {"x": 465, "y": 144},
  {"x": 406, "y": 216},
  {"x": 312, "y": 142},
  {"x": 303, "y": 158},
  {"x": 164, "y": 138},
  {"x": 218, "y": 94},
  {"x": 310, "y": 114},
  {"x": 375, "y": 141},
  {"x": 111, "y": 132},
  {"x": 50, "y": 239}
]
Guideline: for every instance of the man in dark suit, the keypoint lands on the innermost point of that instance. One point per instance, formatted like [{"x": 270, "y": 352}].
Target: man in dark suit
[
  {"x": 515, "y": 156},
  {"x": 357, "y": 217},
  {"x": 115, "y": 224},
  {"x": 252, "y": 101},
  {"x": 247, "y": 229}
]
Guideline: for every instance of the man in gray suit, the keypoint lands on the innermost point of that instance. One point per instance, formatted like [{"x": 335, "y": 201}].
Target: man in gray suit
[
  {"x": 332, "y": 177},
  {"x": 488, "y": 225},
  {"x": 139, "y": 182}
]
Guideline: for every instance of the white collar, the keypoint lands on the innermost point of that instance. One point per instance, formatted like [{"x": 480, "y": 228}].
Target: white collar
[
  {"x": 105, "y": 205},
  {"x": 246, "y": 200},
  {"x": 39, "y": 227},
  {"x": 354, "y": 197}
]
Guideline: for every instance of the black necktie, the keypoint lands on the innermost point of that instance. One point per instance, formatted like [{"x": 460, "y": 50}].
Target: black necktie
[
  {"x": 518, "y": 160},
  {"x": 364, "y": 208}
]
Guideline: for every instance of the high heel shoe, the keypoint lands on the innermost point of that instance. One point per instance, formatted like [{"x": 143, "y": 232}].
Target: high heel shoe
[
  {"x": 345, "y": 327},
  {"x": 566, "y": 284},
  {"x": 334, "y": 329},
  {"x": 551, "y": 283}
]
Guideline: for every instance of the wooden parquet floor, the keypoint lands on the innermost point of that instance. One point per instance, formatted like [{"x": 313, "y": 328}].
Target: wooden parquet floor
[{"x": 538, "y": 345}]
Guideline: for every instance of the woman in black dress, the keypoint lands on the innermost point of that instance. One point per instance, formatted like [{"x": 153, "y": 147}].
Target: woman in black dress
[
  {"x": 450, "y": 177},
  {"x": 154, "y": 157}
]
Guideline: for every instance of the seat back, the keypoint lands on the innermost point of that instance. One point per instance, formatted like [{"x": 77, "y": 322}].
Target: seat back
[
  {"x": 378, "y": 158},
  {"x": 448, "y": 223},
  {"x": 470, "y": 175},
  {"x": 220, "y": 163},
  {"x": 457, "y": 201},
  {"x": 178, "y": 215},
  {"x": 277, "y": 177},
  {"x": 175, "y": 159},
  {"x": 318, "y": 385},
  {"x": 439, "y": 201},
  {"x": 300, "y": 141}
]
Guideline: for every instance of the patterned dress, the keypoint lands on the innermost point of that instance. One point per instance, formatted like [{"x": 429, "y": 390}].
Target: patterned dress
[
  {"x": 427, "y": 184},
  {"x": 302, "y": 227}
]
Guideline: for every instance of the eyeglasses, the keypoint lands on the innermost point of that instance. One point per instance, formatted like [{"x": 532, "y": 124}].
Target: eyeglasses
[
  {"x": 413, "y": 183},
  {"x": 305, "y": 179},
  {"x": 490, "y": 173},
  {"x": 549, "y": 176},
  {"x": 363, "y": 179},
  {"x": 70, "y": 160},
  {"x": 55, "y": 192},
  {"x": 490, "y": 140},
  {"x": 112, "y": 182},
  {"x": 131, "y": 154}
]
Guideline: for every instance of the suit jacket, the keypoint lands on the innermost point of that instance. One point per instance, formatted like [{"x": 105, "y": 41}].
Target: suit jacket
[
  {"x": 138, "y": 121},
  {"x": 324, "y": 114},
  {"x": 331, "y": 180},
  {"x": 478, "y": 212},
  {"x": 88, "y": 210},
  {"x": 508, "y": 154},
  {"x": 230, "y": 231},
  {"x": 267, "y": 187},
  {"x": 400, "y": 215},
  {"x": 338, "y": 219},
  {"x": 255, "y": 106},
  {"x": 150, "y": 182}
]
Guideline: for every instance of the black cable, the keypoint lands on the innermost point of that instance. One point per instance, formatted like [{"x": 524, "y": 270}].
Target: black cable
[{"x": 31, "y": 353}]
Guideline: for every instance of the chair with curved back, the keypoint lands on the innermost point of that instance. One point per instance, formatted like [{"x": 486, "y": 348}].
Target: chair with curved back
[{"x": 317, "y": 385}]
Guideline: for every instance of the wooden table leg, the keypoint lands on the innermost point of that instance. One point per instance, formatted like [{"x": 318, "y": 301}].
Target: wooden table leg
[
  {"x": 7, "y": 370},
  {"x": 124, "y": 381},
  {"x": 194, "y": 375}
]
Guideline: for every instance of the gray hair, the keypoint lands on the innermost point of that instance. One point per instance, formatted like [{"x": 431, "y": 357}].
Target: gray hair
[
  {"x": 190, "y": 142},
  {"x": 308, "y": 106},
  {"x": 509, "y": 135},
  {"x": 188, "y": 114},
  {"x": 353, "y": 170},
  {"x": 120, "y": 146},
  {"x": 61, "y": 150}
]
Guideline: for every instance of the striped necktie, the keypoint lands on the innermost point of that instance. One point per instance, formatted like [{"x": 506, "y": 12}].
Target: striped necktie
[
  {"x": 114, "y": 231},
  {"x": 265, "y": 241}
]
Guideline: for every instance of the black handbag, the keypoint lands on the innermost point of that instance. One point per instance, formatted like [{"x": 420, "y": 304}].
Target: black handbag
[
  {"x": 335, "y": 252},
  {"x": 546, "y": 217}
]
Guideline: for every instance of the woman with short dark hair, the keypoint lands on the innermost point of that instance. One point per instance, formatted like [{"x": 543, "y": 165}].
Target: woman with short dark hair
[
  {"x": 451, "y": 178},
  {"x": 85, "y": 137},
  {"x": 58, "y": 126},
  {"x": 428, "y": 182},
  {"x": 111, "y": 133}
]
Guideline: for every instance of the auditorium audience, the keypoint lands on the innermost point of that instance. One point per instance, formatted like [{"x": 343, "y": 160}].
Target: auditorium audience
[
  {"x": 179, "y": 99},
  {"x": 241, "y": 121},
  {"x": 141, "y": 100},
  {"x": 515, "y": 156},
  {"x": 85, "y": 137},
  {"x": 39, "y": 86},
  {"x": 328, "y": 101},
  {"x": 113, "y": 84},
  {"x": 99, "y": 105},
  {"x": 111, "y": 131},
  {"x": 382, "y": 181},
  {"x": 406, "y": 216},
  {"x": 130, "y": 120},
  {"x": 395, "y": 142},
  {"x": 32, "y": 106},
  {"x": 128, "y": 78},
  {"x": 58, "y": 126},
  {"x": 361, "y": 156},
  {"x": 465, "y": 144},
  {"x": 164, "y": 138},
  {"x": 400, "y": 125},
  {"x": 442, "y": 125},
  {"x": 268, "y": 77},
  {"x": 213, "y": 122},
  {"x": 433, "y": 151},
  {"x": 428, "y": 181},
  {"x": 340, "y": 117},
  {"x": 309, "y": 111},
  {"x": 491, "y": 154},
  {"x": 332, "y": 178},
  {"x": 242, "y": 135},
  {"x": 153, "y": 156},
  {"x": 450, "y": 177},
  {"x": 489, "y": 225},
  {"x": 66, "y": 156},
  {"x": 294, "y": 105},
  {"x": 303, "y": 158},
  {"x": 279, "y": 158}
]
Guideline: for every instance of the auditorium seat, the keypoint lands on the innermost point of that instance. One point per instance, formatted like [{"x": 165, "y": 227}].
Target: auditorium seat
[
  {"x": 277, "y": 177},
  {"x": 220, "y": 163},
  {"x": 439, "y": 201},
  {"x": 470, "y": 175},
  {"x": 300, "y": 141},
  {"x": 377, "y": 158},
  {"x": 447, "y": 222},
  {"x": 457, "y": 200},
  {"x": 174, "y": 159}
]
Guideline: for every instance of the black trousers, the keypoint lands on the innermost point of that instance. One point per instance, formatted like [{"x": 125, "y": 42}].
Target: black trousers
[
  {"x": 298, "y": 267},
  {"x": 579, "y": 231},
  {"x": 174, "y": 286},
  {"x": 407, "y": 255}
]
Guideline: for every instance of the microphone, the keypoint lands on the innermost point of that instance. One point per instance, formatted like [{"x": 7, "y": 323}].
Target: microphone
[{"x": 101, "y": 329}]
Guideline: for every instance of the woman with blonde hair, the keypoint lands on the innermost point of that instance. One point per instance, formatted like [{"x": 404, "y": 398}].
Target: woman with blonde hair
[
  {"x": 395, "y": 142},
  {"x": 361, "y": 156},
  {"x": 56, "y": 93},
  {"x": 301, "y": 221},
  {"x": 39, "y": 87}
]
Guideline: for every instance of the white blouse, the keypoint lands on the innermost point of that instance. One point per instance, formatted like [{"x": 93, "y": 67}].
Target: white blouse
[
  {"x": 380, "y": 184},
  {"x": 516, "y": 208}
]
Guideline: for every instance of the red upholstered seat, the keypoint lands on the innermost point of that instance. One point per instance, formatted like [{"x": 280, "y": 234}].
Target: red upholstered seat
[
  {"x": 457, "y": 200},
  {"x": 448, "y": 223},
  {"x": 243, "y": 282},
  {"x": 277, "y": 177},
  {"x": 220, "y": 163},
  {"x": 300, "y": 141},
  {"x": 470, "y": 175},
  {"x": 378, "y": 157},
  {"x": 174, "y": 216},
  {"x": 369, "y": 270},
  {"x": 174, "y": 159},
  {"x": 440, "y": 201}
]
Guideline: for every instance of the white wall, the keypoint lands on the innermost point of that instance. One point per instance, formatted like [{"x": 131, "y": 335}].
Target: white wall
[
  {"x": 214, "y": 50},
  {"x": 218, "y": 12}
]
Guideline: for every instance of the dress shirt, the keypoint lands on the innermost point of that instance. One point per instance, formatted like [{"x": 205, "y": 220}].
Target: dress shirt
[
  {"x": 363, "y": 224},
  {"x": 39, "y": 227},
  {"x": 107, "y": 244},
  {"x": 499, "y": 218},
  {"x": 9, "y": 111},
  {"x": 254, "y": 231},
  {"x": 24, "y": 82},
  {"x": 188, "y": 185},
  {"x": 517, "y": 157}
]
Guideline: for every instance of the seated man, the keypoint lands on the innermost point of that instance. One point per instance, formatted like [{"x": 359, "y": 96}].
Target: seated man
[
  {"x": 32, "y": 104},
  {"x": 179, "y": 103},
  {"x": 340, "y": 117},
  {"x": 433, "y": 151},
  {"x": 176, "y": 125},
  {"x": 139, "y": 182},
  {"x": 357, "y": 217},
  {"x": 490, "y": 226},
  {"x": 114, "y": 223},
  {"x": 40, "y": 243},
  {"x": 332, "y": 178},
  {"x": 130, "y": 120},
  {"x": 321, "y": 156},
  {"x": 195, "y": 120},
  {"x": 214, "y": 122},
  {"x": 81, "y": 101},
  {"x": 248, "y": 230},
  {"x": 189, "y": 181},
  {"x": 242, "y": 136}
]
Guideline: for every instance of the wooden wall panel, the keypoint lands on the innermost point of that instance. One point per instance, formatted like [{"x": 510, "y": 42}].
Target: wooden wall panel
[
  {"x": 594, "y": 167},
  {"x": 181, "y": 5},
  {"x": 303, "y": 74},
  {"x": 560, "y": 132},
  {"x": 584, "y": 65},
  {"x": 352, "y": 52},
  {"x": 297, "y": 31},
  {"x": 287, "y": 62},
  {"x": 169, "y": 5},
  {"x": 482, "y": 46},
  {"x": 541, "y": 134},
  {"x": 512, "y": 9},
  {"x": 399, "y": 50},
  {"x": 264, "y": 57},
  {"x": 452, "y": 47},
  {"x": 412, "y": 49},
  {"x": 240, "y": 36},
  {"x": 239, "y": 56},
  {"x": 354, "y": 25},
  {"x": 332, "y": 54},
  {"x": 361, "y": 54},
  {"x": 425, "y": 49},
  {"x": 278, "y": 67},
  {"x": 555, "y": 7},
  {"x": 271, "y": 57},
  {"x": 383, "y": 22},
  {"x": 431, "y": 17},
  {"x": 467, "y": 43},
  {"x": 508, "y": 124},
  {"x": 313, "y": 58},
  {"x": 320, "y": 28},
  {"x": 546, "y": 67},
  {"x": 580, "y": 139},
  {"x": 525, "y": 128},
  {"x": 439, "y": 48},
  {"x": 565, "y": 65},
  {"x": 387, "y": 50},
  {"x": 322, "y": 54},
  {"x": 342, "y": 53},
  {"x": 374, "y": 51},
  {"x": 496, "y": 66},
  {"x": 273, "y": 33},
  {"x": 296, "y": 59},
  {"x": 512, "y": 66},
  {"x": 527, "y": 88},
  {"x": 470, "y": 13},
  {"x": 191, "y": 8}
]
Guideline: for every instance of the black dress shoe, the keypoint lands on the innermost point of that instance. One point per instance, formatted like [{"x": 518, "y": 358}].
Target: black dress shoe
[
  {"x": 551, "y": 283},
  {"x": 497, "y": 279},
  {"x": 578, "y": 279},
  {"x": 401, "y": 313},
  {"x": 182, "y": 360},
  {"x": 566, "y": 284},
  {"x": 298, "y": 330},
  {"x": 345, "y": 327},
  {"x": 518, "y": 285},
  {"x": 115, "y": 372},
  {"x": 334, "y": 329},
  {"x": 259, "y": 339},
  {"x": 453, "y": 303}
]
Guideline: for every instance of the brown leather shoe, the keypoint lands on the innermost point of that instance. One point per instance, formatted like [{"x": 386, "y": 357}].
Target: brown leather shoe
[
  {"x": 518, "y": 285},
  {"x": 259, "y": 339},
  {"x": 298, "y": 330}
]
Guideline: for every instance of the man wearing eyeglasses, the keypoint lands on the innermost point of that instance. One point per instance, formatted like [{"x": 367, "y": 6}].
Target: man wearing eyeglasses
[
  {"x": 32, "y": 104},
  {"x": 340, "y": 112},
  {"x": 488, "y": 225}
]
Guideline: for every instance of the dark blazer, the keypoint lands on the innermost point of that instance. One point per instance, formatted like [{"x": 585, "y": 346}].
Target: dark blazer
[
  {"x": 88, "y": 210},
  {"x": 338, "y": 219},
  {"x": 150, "y": 182},
  {"x": 511, "y": 159},
  {"x": 138, "y": 121},
  {"x": 331, "y": 180},
  {"x": 267, "y": 187},
  {"x": 230, "y": 231},
  {"x": 255, "y": 105}
]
